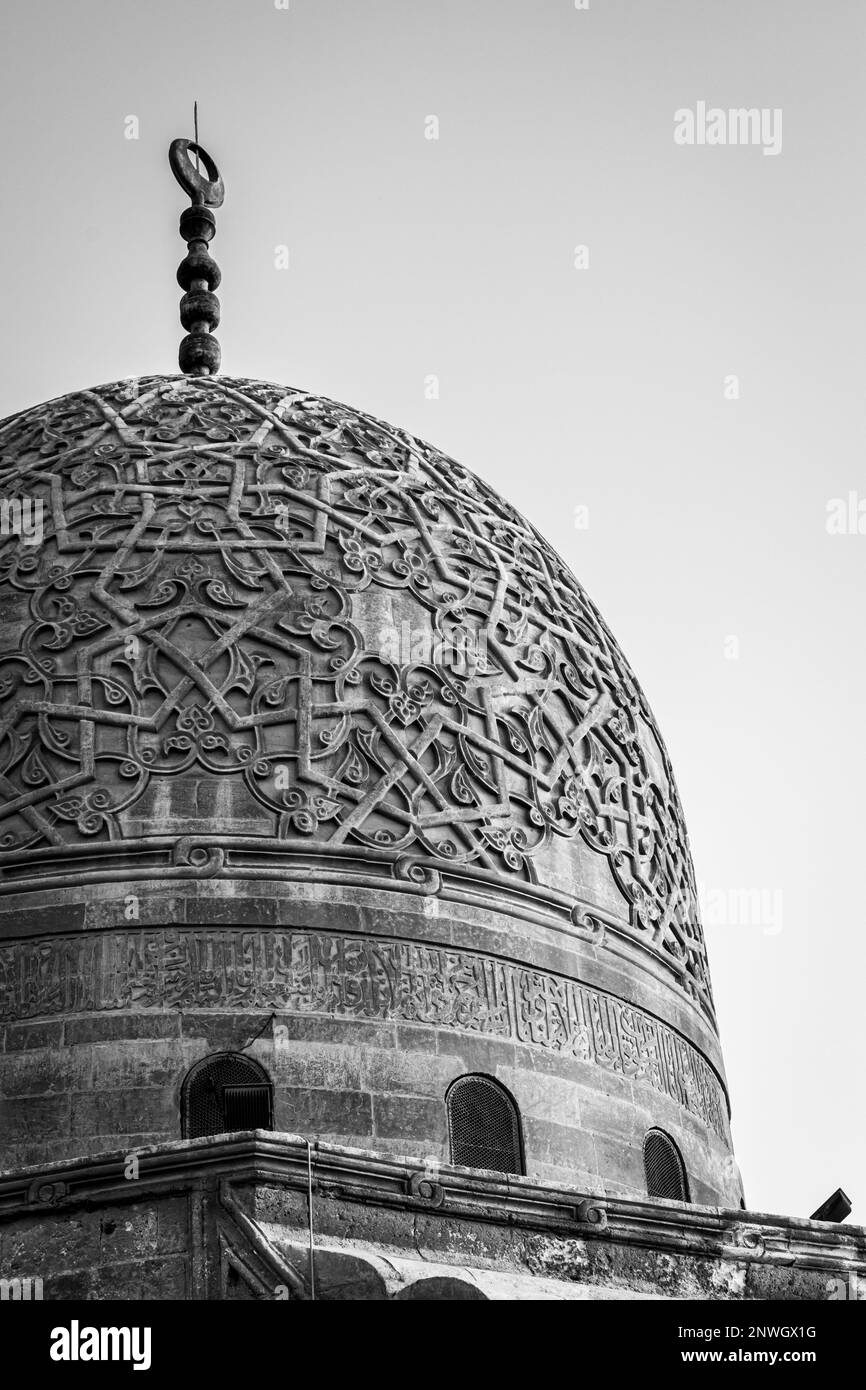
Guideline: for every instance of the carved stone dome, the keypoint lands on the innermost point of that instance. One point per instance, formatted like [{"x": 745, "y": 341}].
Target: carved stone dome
[{"x": 301, "y": 717}]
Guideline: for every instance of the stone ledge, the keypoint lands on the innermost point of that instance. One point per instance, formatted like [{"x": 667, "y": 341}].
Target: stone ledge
[{"x": 379, "y": 1180}]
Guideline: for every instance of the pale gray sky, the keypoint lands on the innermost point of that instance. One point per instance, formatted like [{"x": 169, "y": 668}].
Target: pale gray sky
[{"x": 601, "y": 387}]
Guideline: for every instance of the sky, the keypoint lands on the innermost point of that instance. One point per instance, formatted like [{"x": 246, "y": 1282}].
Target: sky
[{"x": 678, "y": 406}]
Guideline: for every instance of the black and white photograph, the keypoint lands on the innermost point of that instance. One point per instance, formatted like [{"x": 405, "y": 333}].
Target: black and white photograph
[{"x": 432, "y": 664}]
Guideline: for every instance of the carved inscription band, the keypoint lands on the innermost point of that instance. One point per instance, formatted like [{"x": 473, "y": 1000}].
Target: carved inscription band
[{"x": 302, "y": 972}]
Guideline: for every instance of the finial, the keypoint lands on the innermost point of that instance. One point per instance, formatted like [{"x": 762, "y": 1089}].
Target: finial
[{"x": 198, "y": 274}]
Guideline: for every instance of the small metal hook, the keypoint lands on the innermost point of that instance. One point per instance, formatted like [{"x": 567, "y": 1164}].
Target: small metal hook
[{"x": 207, "y": 191}]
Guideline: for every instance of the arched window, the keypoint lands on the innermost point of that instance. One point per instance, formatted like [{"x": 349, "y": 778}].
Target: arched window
[
  {"x": 223, "y": 1093},
  {"x": 663, "y": 1166},
  {"x": 484, "y": 1125}
]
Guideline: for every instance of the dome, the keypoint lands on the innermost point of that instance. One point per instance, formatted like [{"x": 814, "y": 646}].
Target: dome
[{"x": 304, "y": 723}]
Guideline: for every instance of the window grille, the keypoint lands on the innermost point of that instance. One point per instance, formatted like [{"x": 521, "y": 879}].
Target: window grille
[
  {"x": 225, "y": 1093},
  {"x": 663, "y": 1166},
  {"x": 484, "y": 1125}
]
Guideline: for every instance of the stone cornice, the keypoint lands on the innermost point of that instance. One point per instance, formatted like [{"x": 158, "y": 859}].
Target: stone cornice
[{"x": 376, "y": 1179}]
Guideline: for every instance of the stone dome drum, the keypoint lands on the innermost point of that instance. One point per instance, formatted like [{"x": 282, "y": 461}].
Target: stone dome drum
[{"x": 301, "y": 719}]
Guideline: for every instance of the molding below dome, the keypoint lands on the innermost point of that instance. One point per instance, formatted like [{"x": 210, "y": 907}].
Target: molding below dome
[{"x": 163, "y": 859}]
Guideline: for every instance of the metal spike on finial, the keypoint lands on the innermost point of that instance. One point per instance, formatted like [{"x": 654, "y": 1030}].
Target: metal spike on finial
[{"x": 198, "y": 274}]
